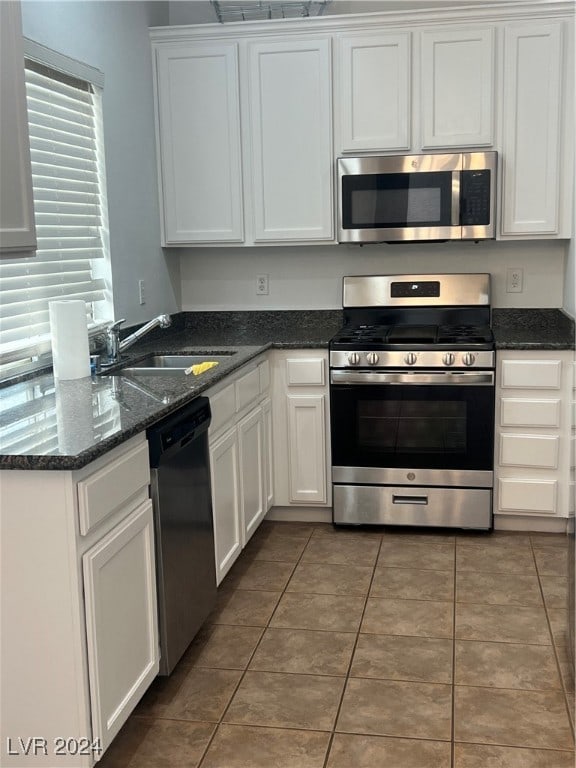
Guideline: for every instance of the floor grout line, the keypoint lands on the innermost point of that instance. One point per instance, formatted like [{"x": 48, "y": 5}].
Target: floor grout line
[
  {"x": 339, "y": 707},
  {"x": 553, "y": 640},
  {"x": 347, "y": 676},
  {"x": 245, "y": 670}
]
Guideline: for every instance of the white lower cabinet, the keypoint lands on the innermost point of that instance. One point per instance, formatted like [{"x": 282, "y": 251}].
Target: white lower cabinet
[
  {"x": 226, "y": 501},
  {"x": 241, "y": 470},
  {"x": 251, "y": 460},
  {"x": 532, "y": 450},
  {"x": 301, "y": 435},
  {"x": 78, "y": 600},
  {"x": 307, "y": 448},
  {"x": 121, "y": 620}
]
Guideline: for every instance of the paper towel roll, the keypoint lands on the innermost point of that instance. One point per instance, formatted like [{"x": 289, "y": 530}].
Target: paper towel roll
[
  {"x": 69, "y": 332},
  {"x": 74, "y": 416}
]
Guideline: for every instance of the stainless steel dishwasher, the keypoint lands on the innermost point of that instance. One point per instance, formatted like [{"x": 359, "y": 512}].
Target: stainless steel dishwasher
[{"x": 186, "y": 572}]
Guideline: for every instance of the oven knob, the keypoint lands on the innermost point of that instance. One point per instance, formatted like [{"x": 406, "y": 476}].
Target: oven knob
[
  {"x": 354, "y": 358},
  {"x": 448, "y": 359},
  {"x": 468, "y": 359},
  {"x": 410, "y": 358},
  {"x": 372, "y": 358}
]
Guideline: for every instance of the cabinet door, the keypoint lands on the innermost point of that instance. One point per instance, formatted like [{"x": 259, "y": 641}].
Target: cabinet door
[
  {"x": 532, "y": 121},
  {"x": 121, "y": 621},
  {"x": 291, "y": 130},
  {"x": 251, "y": 453},
  {"x": 17, "y": 229},
  {"x": 457, "y": 88},
  {"x": 199, "y": 141},
  {"x": 226, "y": 501},
  {"x": 267, "y": 456},
  {"x": 307, "y": 448},
  {"x": 374, "y": 92}
]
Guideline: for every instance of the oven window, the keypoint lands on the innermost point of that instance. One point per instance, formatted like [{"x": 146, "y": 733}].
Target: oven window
[{"x": 412, "y": 426}]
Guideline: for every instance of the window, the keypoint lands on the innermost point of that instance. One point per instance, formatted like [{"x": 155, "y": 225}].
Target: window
[{"x": 64, "y": 116}]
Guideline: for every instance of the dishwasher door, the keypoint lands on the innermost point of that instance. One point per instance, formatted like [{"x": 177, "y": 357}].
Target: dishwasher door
[{"x": 181, "y": 495}]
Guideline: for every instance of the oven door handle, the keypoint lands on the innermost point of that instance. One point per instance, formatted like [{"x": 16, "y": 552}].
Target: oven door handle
[{"x": 445, "y": 378}]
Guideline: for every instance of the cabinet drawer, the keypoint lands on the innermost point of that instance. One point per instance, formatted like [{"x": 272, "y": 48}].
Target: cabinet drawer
[
  {"x": 531, "y": 374},
  {"x": 529, "y": 451},
  {"x": 519, "y": 412},
  {"x": 111, "y": 487},
  {"x": 223, "y": 407},
  {"x": 247, "y": 389},
  {"x": 527, "y": 496},
  {"x": 305, "y": 372}
]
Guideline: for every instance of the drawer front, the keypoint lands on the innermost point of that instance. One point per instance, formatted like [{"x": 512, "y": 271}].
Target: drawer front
[
  {"x": 112, "y": 486},
  {"x": 264, "y": 372},
  {"x": 529, "y": 451},
  {"x": 305, "y": 372},
  {"x": 527, "y": 496},
  {"x": 531, "y": 374},
  {"x": 223, "y": 407},
  {"x": 519, "y": 412},
  {"x": 247, "y": 389}
]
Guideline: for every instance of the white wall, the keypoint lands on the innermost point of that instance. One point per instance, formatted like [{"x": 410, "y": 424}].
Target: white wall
[
  {"x": 570, "y": 274},
  {"x": 570, "y": 282},
  {"x": 225, "y": 278},
  {"x": 202, "y": 12},
  {"x": 113, "y": 37}
]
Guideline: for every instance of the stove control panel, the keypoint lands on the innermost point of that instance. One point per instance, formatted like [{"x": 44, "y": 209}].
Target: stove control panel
[{"x": 418, "y": 359}]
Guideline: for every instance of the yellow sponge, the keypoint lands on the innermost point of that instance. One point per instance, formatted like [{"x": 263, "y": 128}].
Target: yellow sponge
[{"x": 201, "y": 367}]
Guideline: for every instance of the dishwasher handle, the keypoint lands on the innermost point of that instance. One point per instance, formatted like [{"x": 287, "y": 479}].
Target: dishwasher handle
[{"x": 178, "y": 429}]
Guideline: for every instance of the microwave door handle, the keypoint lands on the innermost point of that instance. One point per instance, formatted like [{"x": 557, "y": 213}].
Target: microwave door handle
[{"x": 455, "y": 198}]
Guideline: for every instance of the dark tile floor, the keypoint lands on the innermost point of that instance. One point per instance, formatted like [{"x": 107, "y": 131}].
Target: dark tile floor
[{"x": 344, "y": 649}]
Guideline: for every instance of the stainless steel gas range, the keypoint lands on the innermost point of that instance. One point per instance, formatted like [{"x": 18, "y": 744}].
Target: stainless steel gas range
[{"x": 412, "y": 402}]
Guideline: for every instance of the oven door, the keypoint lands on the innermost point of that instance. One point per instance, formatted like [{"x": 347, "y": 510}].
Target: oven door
[{"x": 420, "y": 428}]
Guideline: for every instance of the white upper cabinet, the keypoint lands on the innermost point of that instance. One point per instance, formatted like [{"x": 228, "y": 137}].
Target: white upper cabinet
[
  {"x": 17, "y": 228},
  {"x": 534, "y": 162},
  {"x": 248, "y": 134},
  {"x": 374, "y": 92},
  {"x": 290, "y": 133},
  {"x": 198, "y": 124},
  {"x": 457, "y": 87}
]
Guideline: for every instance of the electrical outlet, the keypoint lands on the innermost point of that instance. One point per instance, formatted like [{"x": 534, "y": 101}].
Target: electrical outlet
[
  {"x": 141, "y": 292},
  {"x": 262, "y": 285},
  {"x": 514, "y": 280}
]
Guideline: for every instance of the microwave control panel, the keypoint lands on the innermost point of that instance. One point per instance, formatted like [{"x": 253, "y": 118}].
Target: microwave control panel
[{"x": 475, "y": 197}]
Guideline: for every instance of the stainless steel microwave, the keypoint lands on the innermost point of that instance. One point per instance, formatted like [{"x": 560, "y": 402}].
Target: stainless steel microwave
[{"x": 408, "y": 198}]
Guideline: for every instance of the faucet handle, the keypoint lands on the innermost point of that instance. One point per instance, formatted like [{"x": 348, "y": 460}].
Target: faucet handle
[{"x": 115, "y": 325}]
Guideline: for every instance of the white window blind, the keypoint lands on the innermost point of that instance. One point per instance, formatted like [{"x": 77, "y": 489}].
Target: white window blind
[{"x": 67, "y": 183}]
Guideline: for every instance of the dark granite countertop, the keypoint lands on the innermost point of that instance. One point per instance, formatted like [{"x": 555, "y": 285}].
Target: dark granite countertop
[
  {"x": 532, "y": 329},
  {"x": 49, "y": 426},
  {"x": 45, "y": 425}
]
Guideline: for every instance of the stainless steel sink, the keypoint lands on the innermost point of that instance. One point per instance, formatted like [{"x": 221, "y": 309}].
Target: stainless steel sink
[{"x": 174, "y": 365}]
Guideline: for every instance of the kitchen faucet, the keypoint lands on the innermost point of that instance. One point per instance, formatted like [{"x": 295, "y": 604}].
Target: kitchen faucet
[{"x": 113, "y": 344}]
